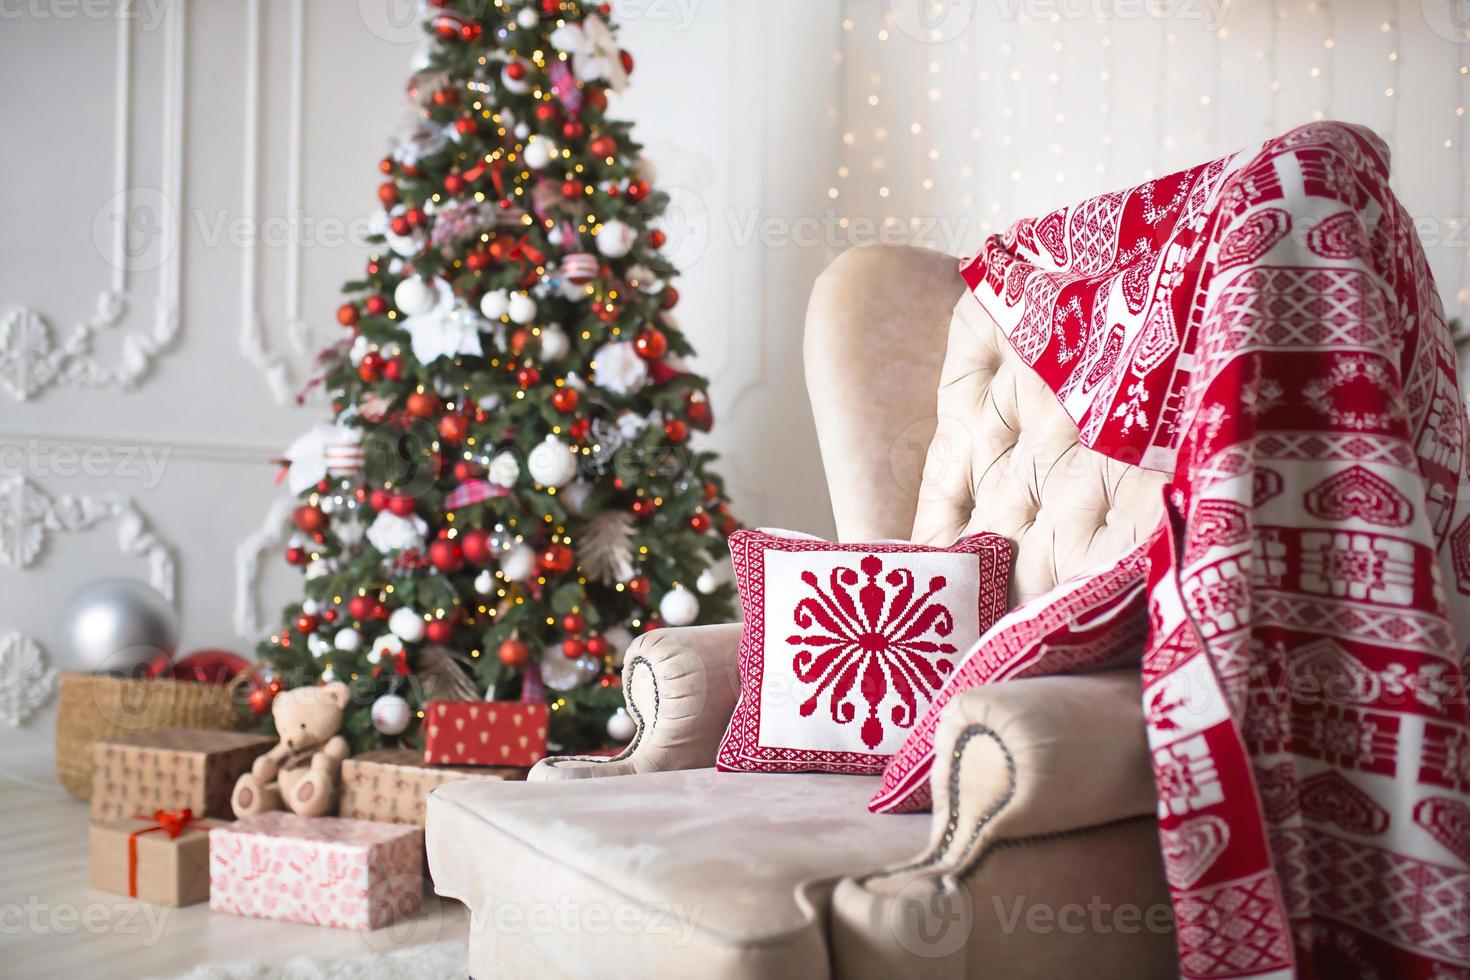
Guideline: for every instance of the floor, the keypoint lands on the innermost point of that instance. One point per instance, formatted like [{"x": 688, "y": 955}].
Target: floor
[{"x": 53, "y": 925}]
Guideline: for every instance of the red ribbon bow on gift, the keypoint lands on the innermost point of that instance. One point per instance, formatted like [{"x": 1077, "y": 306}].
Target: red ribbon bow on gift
[{"x": 171, "y": 822}]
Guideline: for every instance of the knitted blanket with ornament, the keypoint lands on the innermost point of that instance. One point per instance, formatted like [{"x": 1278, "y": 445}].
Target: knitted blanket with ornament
[{"x": 1265, "y": 328}]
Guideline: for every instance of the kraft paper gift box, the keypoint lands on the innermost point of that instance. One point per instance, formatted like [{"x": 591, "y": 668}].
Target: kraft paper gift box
[
  {"x": 170, "y": 769},
  {"x": 392, "y": 785},
  {"x": 485, "y": 733},
  {"x": 323, "y": 871},
  {"x": 142, "y": 859}
]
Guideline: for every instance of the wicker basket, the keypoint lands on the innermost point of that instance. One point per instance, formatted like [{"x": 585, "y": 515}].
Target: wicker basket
[{"x": 94, "y": 708}]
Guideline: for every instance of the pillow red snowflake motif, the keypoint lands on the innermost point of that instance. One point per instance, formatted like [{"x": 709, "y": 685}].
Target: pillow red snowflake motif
[{"x": 845, "y": 645}]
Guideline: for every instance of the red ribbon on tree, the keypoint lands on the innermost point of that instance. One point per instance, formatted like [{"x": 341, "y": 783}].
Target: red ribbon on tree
[{"x": 171, "y": 822}]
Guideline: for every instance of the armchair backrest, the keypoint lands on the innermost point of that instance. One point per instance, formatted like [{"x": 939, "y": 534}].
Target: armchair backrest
[{"x": 932, "y": 427}]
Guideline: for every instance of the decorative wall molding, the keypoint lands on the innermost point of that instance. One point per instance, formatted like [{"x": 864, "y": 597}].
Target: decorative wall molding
[
  {"x": 27, "y": 679},
  {"x": 272, "y": 533},
  {"x": 28, "y": 515},
  {"x": 31, "y": 359},
  {"x": 254, "y": 338}
]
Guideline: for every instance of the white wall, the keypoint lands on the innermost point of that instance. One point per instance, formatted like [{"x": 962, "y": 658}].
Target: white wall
[{"x": 231, "y": 117}]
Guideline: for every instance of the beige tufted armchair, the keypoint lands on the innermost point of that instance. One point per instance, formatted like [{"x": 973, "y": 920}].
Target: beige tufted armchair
[{"x": 1041, "y": 858}]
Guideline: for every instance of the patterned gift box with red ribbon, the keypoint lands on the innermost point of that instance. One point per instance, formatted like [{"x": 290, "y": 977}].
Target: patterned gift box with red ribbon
[
  {"x": 162, "y": 859},
  {"x": 485, "y": 733},
  {"x": 393, "y": 785},
  {"x": 170, "y": 769},
  {"x": 321, "y": 871}
]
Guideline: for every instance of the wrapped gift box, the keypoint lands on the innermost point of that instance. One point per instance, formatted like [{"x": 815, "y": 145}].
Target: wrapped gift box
[
  {"x": 392, "y": 785},
  {"x": 485, "y": 733},
  {"x": 142, "y": 859},
  {"x": 324, "y": 871},
  {"x": 170, "y": 769}
]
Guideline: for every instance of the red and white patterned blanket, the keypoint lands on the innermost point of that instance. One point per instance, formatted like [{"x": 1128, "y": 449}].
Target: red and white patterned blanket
[{"x": 1265, "y": 327}]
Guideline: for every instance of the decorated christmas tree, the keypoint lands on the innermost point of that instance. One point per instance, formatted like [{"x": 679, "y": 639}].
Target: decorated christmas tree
[{"x": 507, "y": 492}]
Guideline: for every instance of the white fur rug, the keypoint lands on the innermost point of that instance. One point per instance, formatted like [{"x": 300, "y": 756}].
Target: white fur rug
[{"x": 436, "y": 961}]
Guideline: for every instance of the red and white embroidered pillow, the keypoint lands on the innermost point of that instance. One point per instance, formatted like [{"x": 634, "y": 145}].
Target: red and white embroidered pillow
[
  {"x": 1091, "y": 621},
  {"x": 845, "y": 644}
]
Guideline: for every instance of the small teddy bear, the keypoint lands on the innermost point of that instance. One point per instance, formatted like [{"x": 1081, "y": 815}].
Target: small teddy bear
[{"x": 301, "y": 771}]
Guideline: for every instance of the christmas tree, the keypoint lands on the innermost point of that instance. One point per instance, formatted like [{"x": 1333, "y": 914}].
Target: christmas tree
[{"x": 507, "y": 491}]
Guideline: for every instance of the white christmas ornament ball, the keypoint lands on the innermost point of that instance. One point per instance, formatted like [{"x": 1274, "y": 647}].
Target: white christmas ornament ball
[
  {"x": 706, "y": 583},
  {"x": 679, "y": 607},
  {"x": 621, "y": 727},
  {"x": 391, "y": 714},
  {"x": 518, "y": 563},
  {"x": 528, "y": 18},
  {"x": 407, "y": 625},
  {"x": 495, "y": 304},
  {"x": 318, "y": 645},
  {"x": 615, "y": 239},
  {"x": 522, "y": 308},
  {"x": 552, "y": 464},
  {"x": 539, "y": 153},
  {"x": 485, "y": 583},
  {"x": 575, "y": 497},
  {"x": 413, "y": 296},
  {"x": 348, "y": 640},
  {"x": 554, "y": 343}
]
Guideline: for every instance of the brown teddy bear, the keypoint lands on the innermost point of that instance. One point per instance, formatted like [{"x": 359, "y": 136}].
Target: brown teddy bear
[{"x": 301, "y": 772}]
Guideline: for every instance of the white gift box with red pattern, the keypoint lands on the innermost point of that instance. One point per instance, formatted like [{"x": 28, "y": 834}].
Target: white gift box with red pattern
[{"x": 325, "y": 871}]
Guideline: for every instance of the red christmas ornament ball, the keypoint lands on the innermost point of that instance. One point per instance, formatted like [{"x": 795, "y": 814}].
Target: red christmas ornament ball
[
  {"x": 545, "y": 112},
  {"x": 475, "y": 545},
  {"x": 580, "y": 429},
  {"x": 453, "y": 428},
  {"x": 651, "y": 344},
  {"x": 596, "y": 97},
  {"x": 347, "y": 315},
  {"x": 514, "y": 653},
  {"x": 371, "y": 368},
  {"x": 639, "y": 585},
  {"x": 422, "y": 405},
  {"x": 439, "y": 631},
  {"x": 603, "y": 146},
  {"x": 597, "y": 646},
  {"x": 564, "y": 399},
  {"x": 296, "y": 556},
  {"x": 638, "y": 190},
  {"x": 573, "y": 648},
  {"x": 309, "y": 518},
  {"x": 401, "y": 504},
  {"x": 669, "y": 298},
  {"x": 643, "y": 507},
  {"x": 477, "y": 261},
  {"x": 259, "y": 701},
  {"x": 388, "y": 193},
  {"x": 700, "y": 523},
  {"x": 676, "y": 429},
  {"x": 657, "y": 238},
  {"x": 470, "y": 32},
  {"x": 360, "y": 607},
  {"x": 393, "y": 369},
  {"x": 527, "y": 376},
  {"x": 627, "y": 60},
  {"x": 557, "y": 558},
  {"x": 379, "y": 499},
  {"x": 446, "y": 555},
  {"x": 444, "y": 96},
  {"x": 306, "y": 623},
  {"x": 386, "y": 165},
  {"x": 573, "y": 129},
  {"x": 466, "y": 470},
  {"x": 454, "y": 184},
  {"x": 375, "y": 305},
  {"x": 573, "y": 623},
  {"x": 400, "y": 225},
  {"x": 571, "y": 188},
  {"x": 515, "y": 70}
]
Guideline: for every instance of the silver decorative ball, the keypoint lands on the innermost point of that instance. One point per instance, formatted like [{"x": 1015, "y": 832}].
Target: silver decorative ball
[{"x": 117, "y": 626}]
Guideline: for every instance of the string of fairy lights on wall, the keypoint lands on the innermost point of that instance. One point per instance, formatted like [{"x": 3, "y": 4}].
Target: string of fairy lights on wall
[{"x": 983, "y": 123}]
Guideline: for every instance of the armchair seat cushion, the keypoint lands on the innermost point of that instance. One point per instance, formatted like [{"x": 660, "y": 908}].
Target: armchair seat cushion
[{"x": 667, "y": 873}]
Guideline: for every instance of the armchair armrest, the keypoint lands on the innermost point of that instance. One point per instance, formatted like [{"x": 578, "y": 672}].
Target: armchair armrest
[{"x": 680, "y": 686}]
